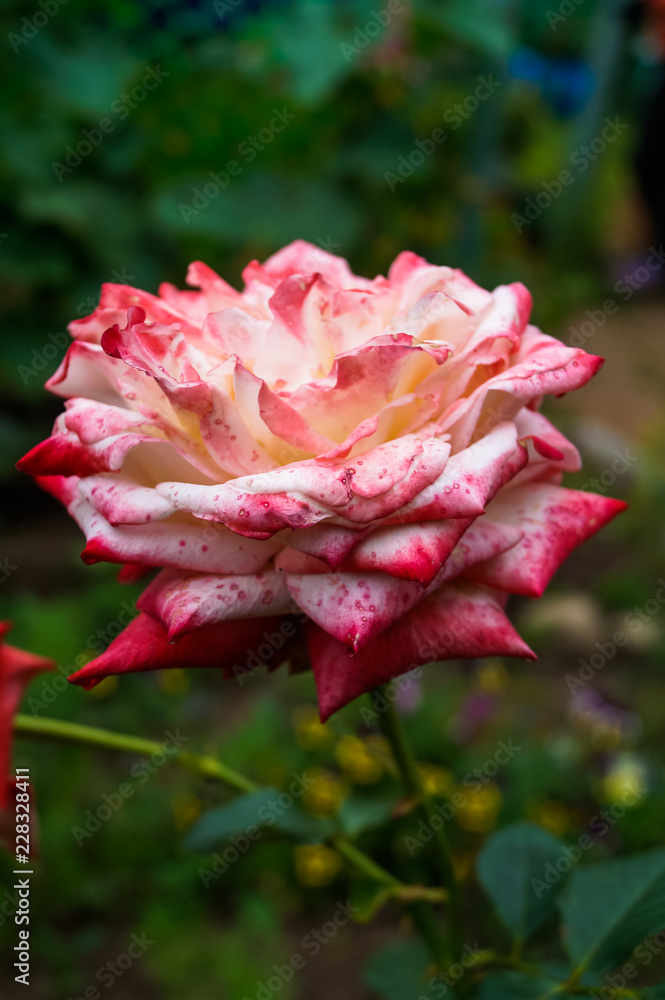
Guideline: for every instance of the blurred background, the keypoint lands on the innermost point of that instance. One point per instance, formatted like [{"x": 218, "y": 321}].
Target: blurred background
[{"x": 517, "y": 139}]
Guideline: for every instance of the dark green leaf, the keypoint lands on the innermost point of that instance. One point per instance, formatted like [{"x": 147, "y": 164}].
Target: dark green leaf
[
  {"x": 511, "y": 869},
  {"x": 308, "y": 829},
  {"x": 260, "y": 810},
  {"x": 611, "y": 907},
  {"x": 516, "y": 986},
  {"x": 357, "y": 814},
  {"x": 480, "y": 24},
  {"x": 397, "y": 972},
  {"x": 229, "y": 820}
]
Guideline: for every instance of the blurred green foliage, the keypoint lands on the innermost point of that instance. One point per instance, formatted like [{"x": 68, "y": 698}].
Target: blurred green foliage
[{"x": 361, "y": 99}]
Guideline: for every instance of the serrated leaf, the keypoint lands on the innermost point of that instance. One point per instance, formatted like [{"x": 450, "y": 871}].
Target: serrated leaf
[
  {"x": 611, "y": 907},
  {"x": 357, "y": 814},
  {"x": 397, "y": 972},
  {"x": 256, "y": 810},
  {"x": 507, "y": 864}
]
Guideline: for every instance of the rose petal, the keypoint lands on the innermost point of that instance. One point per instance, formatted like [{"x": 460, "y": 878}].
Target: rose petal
[
  {"x": 456, "y": 621},
  {"x": 143, "y": 645},
  {"x": 554, "y": 521},
  {"x": 185, "y": 602},
  {"x": 353, "y": 607}
]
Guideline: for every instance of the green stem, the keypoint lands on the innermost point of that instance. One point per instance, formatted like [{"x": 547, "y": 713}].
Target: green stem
[
  {"x": 365, "y": 864},
  {"x": 493, "y": 960},
  {"x": 210, "y": 767},
  {"x": 420, "y": 910},
  {"x": 391, "y": 726}
]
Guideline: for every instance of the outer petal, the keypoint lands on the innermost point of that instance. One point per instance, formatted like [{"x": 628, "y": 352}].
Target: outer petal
[
  {"x": 411, "y": 552},
  {"x": 554, "y": 521},
  {"x": 543, "y": 366},
  {"x": 353, "y": 607},
  {"x": 123, "y": 501},
  {"x": 17, "y": 670},
  {"x": 185, "y": 602},
  {"x": 87, "y": 371},
  {"x": 456, "y": 621},
  {"x": 329, "y": 542},
  {"x": 115, "y": 302},
  {"x": 550, "y": 452},
  {"x": 143, "y": 645},
  {"x": 199, "y": 547}
]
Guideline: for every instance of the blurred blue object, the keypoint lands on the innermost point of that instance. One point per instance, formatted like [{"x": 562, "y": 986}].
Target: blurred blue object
[{"x": 565, "y": 84}]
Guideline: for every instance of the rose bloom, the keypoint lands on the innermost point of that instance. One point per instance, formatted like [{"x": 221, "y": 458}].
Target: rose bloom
[{"x": 359, "y": 462}]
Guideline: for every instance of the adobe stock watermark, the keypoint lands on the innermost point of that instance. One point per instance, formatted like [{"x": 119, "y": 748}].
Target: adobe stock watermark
[
  {"x": 142, "y": 771},
  {"x": 264, "y": 653},
  {"x": 439, "y": 984},
  {"x": 623, "y": 461},
  {"x": 565, "y": 10},
  {"x": 30, "y": 26},
  {"x": 109, "y": 973},
  {"x": 382, "y": 700},
  {"x": 224, "y": 7},
  {"x": 311, "y": 943},
  {"x": 119, "y": 277},
  {"x": 55, "y": 683},
  {"x": 363, "y": 36},
  {"x": 600, "y": 824},
  {"x": 57, "y": 343},
  {"x": 617, "y": 981},
  {"x": 266, "y": 816},
  {"x": 121, "y": 109},
  {"x": 580, "y": 159},
  {"x": 455, "y": 117},
  {"x": 633, "y": 622},
  {"x": 473, "y": 781},
  {"x": 626, "y": 288},
  {"x": 247, "y": 151},
  {"x": 7, "y": 569}
]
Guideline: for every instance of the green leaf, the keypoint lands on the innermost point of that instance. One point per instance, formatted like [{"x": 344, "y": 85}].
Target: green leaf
[
  {"x": 516, "y": 986},
  {"x": 397, "y": 972},
  {"x": 480, "y": 24},
  {"x": 358, "y": 814},
  {"x": 307, "y": 829},
  {"x": 611, "y": 907},
  {"x": 507, "y": 866},
  {"x": 229, "y": 820},
  {"x": 257, "y": 810}
]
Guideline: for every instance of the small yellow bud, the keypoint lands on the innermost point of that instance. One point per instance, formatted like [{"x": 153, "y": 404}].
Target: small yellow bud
[
  {"x": 310, "y": 732},
  {"x": 323, "y": 793},
  {"x": 480, "y": 808},
  {"x": 316, "y": 865}
]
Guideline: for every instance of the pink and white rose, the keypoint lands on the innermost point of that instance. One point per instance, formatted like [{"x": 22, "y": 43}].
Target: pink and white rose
[{"x": 361, "y": 460}]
